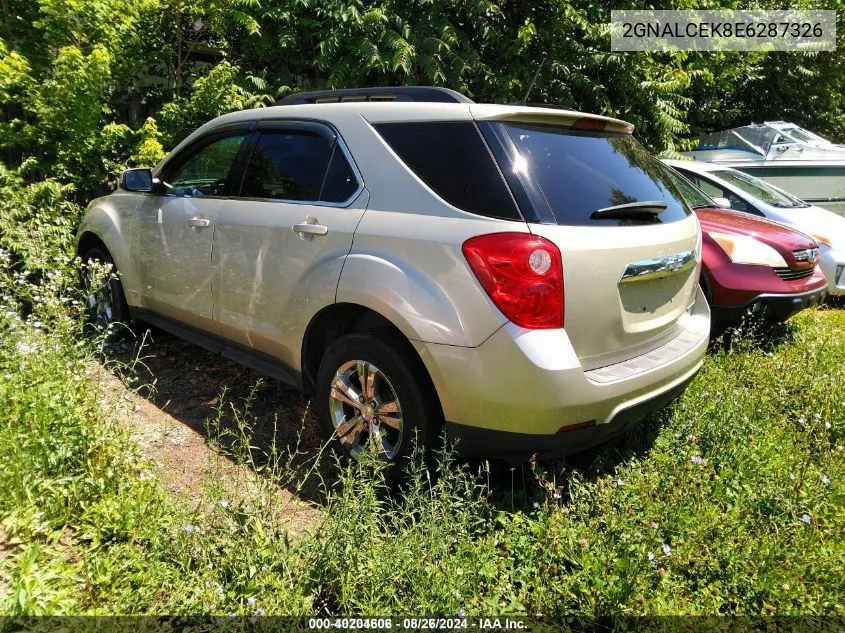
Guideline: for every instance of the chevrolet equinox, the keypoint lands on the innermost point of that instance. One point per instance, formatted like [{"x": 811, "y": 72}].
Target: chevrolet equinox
[{"x": 526, "y": 277}]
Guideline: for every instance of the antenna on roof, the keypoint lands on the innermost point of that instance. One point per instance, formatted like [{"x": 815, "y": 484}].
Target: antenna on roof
[{"x": 524, "y": 100}]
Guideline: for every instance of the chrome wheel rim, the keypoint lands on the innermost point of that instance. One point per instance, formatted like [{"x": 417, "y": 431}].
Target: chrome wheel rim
[
  {"x": 365, "y": 410},
  {"x": 100, "y": 301}
]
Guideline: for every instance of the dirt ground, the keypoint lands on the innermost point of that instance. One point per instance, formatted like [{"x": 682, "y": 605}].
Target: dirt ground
[{"x": 170, "y": 399}]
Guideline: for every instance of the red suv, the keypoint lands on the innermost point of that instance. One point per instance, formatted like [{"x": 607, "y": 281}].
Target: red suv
[{"x": 753, "y": 266}]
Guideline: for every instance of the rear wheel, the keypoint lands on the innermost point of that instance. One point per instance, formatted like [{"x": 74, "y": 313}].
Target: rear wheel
[
  {"x": 107, "y": 306},
  {"x": 372, "y": 394}
]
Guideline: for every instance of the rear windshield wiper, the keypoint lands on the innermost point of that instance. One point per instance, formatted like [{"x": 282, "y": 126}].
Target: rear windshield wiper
[{"x": 651, "y": 208}]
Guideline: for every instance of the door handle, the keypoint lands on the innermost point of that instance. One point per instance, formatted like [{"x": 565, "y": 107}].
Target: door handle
[
  {"x": 309, "y": 228},
  {"x": 200, "y": 223}
]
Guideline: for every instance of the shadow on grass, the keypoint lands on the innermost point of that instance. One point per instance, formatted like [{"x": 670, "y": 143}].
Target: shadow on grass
[
  {"x": 186, "y": 382},
  {"x": 526, "y": 485}
]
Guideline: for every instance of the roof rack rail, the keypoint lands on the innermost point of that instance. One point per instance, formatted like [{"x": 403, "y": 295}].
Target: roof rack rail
[{"x": 388, "y": 93}]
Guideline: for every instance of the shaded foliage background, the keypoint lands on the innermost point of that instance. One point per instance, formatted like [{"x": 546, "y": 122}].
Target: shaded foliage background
[{"x": 88, "y": 87}]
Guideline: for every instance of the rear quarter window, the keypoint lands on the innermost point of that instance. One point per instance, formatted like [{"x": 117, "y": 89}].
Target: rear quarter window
[{"x": 454, "y": 161}]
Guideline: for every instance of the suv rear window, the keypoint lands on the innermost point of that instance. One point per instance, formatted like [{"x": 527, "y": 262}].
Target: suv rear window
[
  {"x": 452, "y": 158},
  {"x": 578, "y": 172}
]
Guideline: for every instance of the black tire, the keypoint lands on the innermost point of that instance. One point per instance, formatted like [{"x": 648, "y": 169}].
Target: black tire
[
  {"x": 405, "y": 375},
  {"x": 99, "y": 318}
]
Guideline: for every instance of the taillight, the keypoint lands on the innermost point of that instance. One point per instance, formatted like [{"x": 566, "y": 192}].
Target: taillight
[{"x": 522, "y": 274}]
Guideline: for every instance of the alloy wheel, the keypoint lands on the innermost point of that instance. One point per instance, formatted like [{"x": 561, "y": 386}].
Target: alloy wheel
[
  {"x": 100, "y": 301},
  {"x": 365, "y": 410}
]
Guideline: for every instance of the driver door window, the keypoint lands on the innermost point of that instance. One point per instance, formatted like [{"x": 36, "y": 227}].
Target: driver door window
[
  {"x": 206, "y": 173},
  {"x": 172, "y": 233}
]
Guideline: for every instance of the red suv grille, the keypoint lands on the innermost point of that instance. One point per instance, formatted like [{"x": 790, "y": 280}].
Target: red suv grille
[{"x": 788, "y": 274}]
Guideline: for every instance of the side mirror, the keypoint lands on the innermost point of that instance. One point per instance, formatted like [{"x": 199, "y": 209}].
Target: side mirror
[
  {"x": 140, "y": 179},
  {"x": 723, "y": 203}
]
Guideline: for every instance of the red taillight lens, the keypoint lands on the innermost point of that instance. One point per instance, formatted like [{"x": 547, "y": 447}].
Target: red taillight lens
[{"x": 522, "y": 274}]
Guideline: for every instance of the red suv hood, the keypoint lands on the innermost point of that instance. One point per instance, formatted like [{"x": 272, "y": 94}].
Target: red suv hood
[{"x": 781, "y": 238}]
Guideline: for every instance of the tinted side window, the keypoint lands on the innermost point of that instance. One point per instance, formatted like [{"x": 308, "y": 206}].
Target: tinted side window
[
  {"x": 287, "y": 165},
  {"x": 694, "y": 197},
  {"x": 454, "y": 161},
  {"x": 716, "y": 191},
  {"x": 340, "y": 181},
  {"x": 712, "y": 190},
  {"x": 206, "y": 172}
]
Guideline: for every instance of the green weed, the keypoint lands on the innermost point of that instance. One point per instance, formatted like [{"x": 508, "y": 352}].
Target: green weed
[{"x": 731, "y": 501}]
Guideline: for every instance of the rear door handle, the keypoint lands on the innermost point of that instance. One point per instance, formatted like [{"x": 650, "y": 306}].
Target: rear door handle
[
  {"x": 200, "y": 223},
  {"x": 307, "y": 228}
]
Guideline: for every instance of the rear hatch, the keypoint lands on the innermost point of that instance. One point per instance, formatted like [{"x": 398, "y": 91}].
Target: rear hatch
[{"x": 629, "y": 244}]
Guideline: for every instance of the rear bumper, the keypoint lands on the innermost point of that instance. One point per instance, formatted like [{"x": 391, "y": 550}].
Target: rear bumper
[
  {"x": 773, "y": 307},
  {"x": 516, "y": 394},
  {"x": 476, "y": 441}
]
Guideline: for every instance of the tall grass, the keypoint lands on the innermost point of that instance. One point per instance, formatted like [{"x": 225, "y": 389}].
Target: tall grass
[{"x": 729, "y": 502}]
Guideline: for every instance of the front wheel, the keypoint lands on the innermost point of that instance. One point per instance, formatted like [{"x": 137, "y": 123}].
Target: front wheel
[
  {"x": 372, "y": 394},
  {"x": 107, "y": 306}
]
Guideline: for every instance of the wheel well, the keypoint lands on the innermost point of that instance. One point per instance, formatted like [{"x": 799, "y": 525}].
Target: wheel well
[
  {"x": 88, "y": 241},
  {"x": 330, "y": 324},
  {"x": 333, "y": 322},
  {"x": 345, "y": 318}
]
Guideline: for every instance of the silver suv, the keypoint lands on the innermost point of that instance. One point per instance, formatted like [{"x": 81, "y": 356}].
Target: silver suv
[{"x": 525, "y": 276}]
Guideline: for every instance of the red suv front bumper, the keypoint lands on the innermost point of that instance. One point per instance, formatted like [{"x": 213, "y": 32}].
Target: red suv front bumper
[{"x": 737, "y": 290}]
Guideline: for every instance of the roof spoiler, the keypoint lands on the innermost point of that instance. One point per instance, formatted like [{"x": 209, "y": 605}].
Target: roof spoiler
[{"x": 429, "y": 94}]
